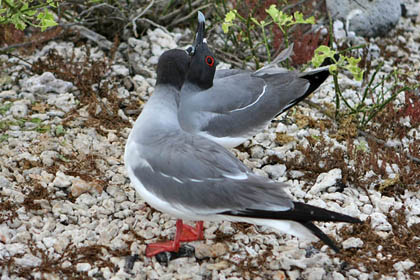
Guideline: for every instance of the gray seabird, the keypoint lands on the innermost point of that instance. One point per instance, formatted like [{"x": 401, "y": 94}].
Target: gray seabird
[
  {"x": 190, "y": 177},
  {"x": 229, "y": 106}
]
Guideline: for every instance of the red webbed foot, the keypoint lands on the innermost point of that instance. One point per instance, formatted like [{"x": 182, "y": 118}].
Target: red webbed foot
[
  {"x": 190, "y": 233},
  {"x": 184, "y": 233}
]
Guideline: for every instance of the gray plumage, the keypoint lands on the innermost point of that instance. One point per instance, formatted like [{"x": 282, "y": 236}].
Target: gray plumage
[
  {"x": 240, "y": 102},
  {"x": 191, "y": 177},
  {"x": 229, "y": 106}
]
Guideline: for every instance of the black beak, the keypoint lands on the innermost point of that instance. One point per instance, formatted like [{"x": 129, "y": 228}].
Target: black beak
[{"x": 199, "y": 38}]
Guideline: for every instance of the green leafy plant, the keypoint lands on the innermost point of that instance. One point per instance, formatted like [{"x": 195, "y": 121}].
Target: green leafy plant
[
  {"x": 39, "y": 126},
  {"x": 247, "y": 29},
  {"x": 285, "y": 21},
  {"x": 376, "y": 90},
  {"x": 344, "y": 62},
  {"x": 22, "y": 13}
]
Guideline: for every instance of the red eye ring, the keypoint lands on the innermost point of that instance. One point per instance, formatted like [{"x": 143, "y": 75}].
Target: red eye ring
[{"x": 210, "y": 61}]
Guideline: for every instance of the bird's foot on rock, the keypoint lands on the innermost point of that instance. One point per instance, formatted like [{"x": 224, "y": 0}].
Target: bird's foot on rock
[{"x": 190, "y": 233}]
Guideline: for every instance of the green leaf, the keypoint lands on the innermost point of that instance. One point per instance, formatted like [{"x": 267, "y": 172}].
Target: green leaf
[
  {"x": 255, "y": 21},
  {"x": 36, "y": 120},
  {"x": 52, "y": 3},
  {"x": 321, "y": 53},
  {"x": 4, "y": 137},
  {"x": 284, "y": 19},
  {"x": 333, "y": 69},
  {"x": 5, "y": 108},
  {"x": 273, "y": 12},
  {"x": 47, "y": 23},
  {"x": 354, "y": 68},
  {"x": 59, "y": 130},
  {"x": 20, "y": 122},
  {"x": 230, "y": 16},
  {"x": 10, "y": 3},
  {"x": 30, "y": 13},
  {"x": 17, "y": 21},
  {"x": 317, "y": 60},
  {"x": 225, "y": 27},
  {"x": 46, "y": 19},
  {"x": 299, "y": 19},
  {"x": 63, "y": 158},
  {"x": 316, "y": 137},
  {"x": 362, "y": 146},
  {"x": 43, "y": 129},
  {"x": 24, "y": 6}
]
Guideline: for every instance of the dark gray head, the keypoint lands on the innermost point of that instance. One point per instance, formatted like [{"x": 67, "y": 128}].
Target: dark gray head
[
  {"x": 203, "y": 63},
  {"x": 173, "y": 67}
]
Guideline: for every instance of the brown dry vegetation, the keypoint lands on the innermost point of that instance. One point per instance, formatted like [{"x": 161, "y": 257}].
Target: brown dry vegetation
[
  {"x": 90, "y": 77},
  {"x": 379, "y": 254}
]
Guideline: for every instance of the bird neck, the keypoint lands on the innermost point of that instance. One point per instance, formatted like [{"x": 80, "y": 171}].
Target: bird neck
[
  {"x": 190, "y": 88},
  {"x": 161, "y": 109}
]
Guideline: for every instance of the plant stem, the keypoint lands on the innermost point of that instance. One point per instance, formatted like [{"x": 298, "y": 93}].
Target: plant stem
[
  {"x": 267, "y": 47},
  {"x": 382, "y": 105},
  {"x": 248, "y": 33},
  {"x": 352, "y": 48},
  {"x": 337, "y": 95},
  {"x": 371, "y": 81},
  {"x": 286, "y": 41}
]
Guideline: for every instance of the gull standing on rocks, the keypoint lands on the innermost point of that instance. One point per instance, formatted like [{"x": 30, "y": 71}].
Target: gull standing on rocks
[
  {"x": 190, "y": 177},
  {"x": 231, "y": 105}
]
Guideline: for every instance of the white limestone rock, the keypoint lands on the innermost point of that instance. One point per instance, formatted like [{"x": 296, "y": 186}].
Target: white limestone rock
[
  {"x": 326, "y": 180},
  {"x": 46, "y": 83}
]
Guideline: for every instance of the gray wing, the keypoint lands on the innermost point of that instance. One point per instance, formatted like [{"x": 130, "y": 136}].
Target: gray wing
[
  {"x": 198, "y": 174},
  {"x": 242, "y": 103},
  {"x": 223, "y": 73}
]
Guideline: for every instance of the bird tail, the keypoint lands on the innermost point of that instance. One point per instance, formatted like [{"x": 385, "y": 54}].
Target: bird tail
[
  {"x": 303, "y": 214},
  {"x": 315, "y": 79},
  {"x": 318, "y": 76},
  {"x": 322, "y": 215}
]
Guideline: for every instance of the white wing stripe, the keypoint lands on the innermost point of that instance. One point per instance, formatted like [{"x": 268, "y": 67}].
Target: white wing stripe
[
  {"x": 253, "y": 103},
  {"x": 240, "y": 176},
  {"x": 172, "y": 177},
  {"x": 195, "y": 180}
]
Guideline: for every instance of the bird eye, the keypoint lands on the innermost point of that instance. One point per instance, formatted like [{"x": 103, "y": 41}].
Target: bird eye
[{"x": 210, "y": 61}]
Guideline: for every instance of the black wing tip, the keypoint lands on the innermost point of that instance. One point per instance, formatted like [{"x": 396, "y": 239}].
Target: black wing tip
[
  {"x": 315, "y": 80},
  {"x": 304, "y": 214},
  {"x": 322, "y": 236},
  {"x": 301, "y": 213},
  {"x": 307, "y": 213},
  {"x": 354, "y": 220}
]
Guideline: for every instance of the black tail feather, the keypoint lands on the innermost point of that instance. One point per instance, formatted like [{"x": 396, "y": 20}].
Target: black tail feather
[
  {"x": 302, "y": 213},
  {"x": 315, "y": 80},
  {"x": 322, "y": 236},
  {"x": 305, "y": 212}
]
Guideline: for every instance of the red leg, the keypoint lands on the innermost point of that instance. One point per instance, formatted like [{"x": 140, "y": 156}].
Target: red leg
[
  {"x": 184, "y": 233},
  {"x": 168, "y": 246},
  {"x": 192, "y": 234}
]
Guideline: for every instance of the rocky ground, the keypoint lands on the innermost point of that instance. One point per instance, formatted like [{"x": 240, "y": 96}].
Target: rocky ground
[{"x": 68, "y": 210}]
